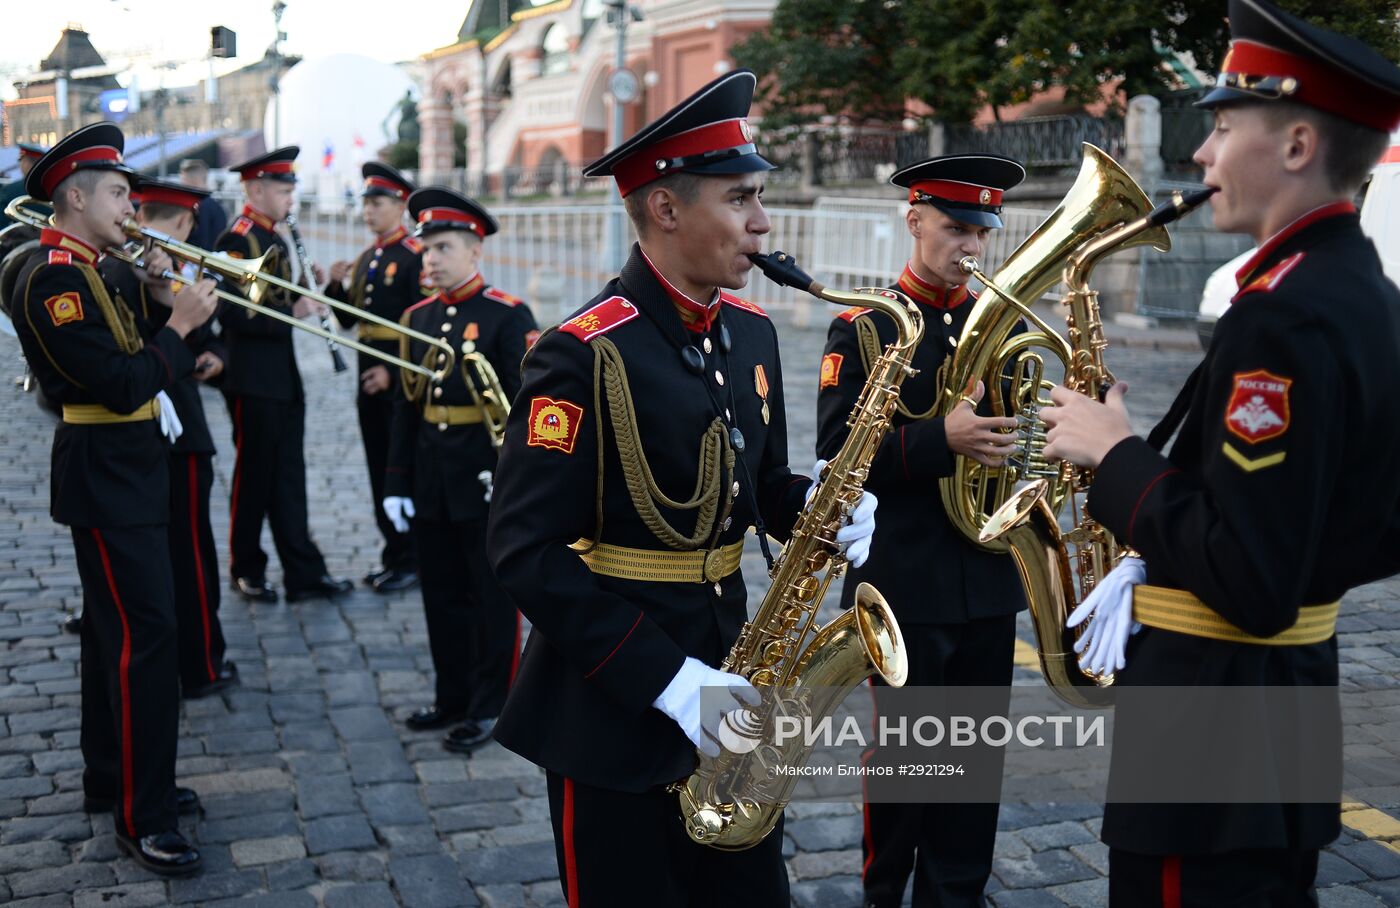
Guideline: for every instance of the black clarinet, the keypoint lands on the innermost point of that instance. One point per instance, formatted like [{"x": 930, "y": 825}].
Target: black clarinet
[{"x": 306, "y": 281}]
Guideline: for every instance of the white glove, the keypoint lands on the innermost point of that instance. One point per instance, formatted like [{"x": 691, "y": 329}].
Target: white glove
[
  {"x": 1109, "y": 610},
  {"x": 855, "y": 536},
  {"x": 699, "y": 717},
  {"x": 170, "y": 425},
  {"x": 398, "y": 510}
]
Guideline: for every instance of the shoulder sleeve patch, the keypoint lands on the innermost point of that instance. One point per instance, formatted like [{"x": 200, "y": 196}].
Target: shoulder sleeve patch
[
  {"x": 554, "y": 424},
  {"x": 60, "y": 257},
  {"x": 1270, "y": 280},
  {"x": 742, "y": 304},
  {"x": 530, "y": 337},
  {"x": 600, "y": 319},
  {"x": 853, "y": 313},
  {"x": 501, "y": 296},
  {"x": 413, "y": 244},
  {"x": 1258, "y": 407},
  {"x": 64, "y": 308},
  {"x": 831, "y": 370},
  {"x": 241, "y": 227}
]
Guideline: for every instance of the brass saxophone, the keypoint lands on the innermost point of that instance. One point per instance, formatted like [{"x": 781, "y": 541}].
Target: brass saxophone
[
  {"x": 798, "y": 676},
  {"x": 1059, "y": 569}
]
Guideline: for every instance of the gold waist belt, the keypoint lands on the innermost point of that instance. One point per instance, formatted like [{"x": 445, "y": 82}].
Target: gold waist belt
[
  {"x": 702, "y": 566},
  {"x": 451, "y": 416},
  {"x": 96, "y": 414},
  {"x": 1179, "y": 611},
  {"x": 370, "y": 332}
]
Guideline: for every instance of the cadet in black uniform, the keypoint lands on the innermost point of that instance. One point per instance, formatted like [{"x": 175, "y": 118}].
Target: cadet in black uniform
[
  {"x": 1268, "y": 507},
  {"x": 612, "y": 540},
  {"x": 384, "y": 280},
  {"x": 262, "y": 387},
  {"x": 170, "y": 208},
  {"x": 441, "y": 460},
  {"x": 959, "y": 615},
  {"x": 110, "y": 485},
  {"x": 28, "y": 157}
]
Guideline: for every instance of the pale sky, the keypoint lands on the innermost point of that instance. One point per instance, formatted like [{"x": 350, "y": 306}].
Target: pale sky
[{"x": 150, "y": 32}]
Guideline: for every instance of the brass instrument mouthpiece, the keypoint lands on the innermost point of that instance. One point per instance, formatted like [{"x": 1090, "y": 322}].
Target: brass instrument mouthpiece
[{"x": 969, "y": 265}]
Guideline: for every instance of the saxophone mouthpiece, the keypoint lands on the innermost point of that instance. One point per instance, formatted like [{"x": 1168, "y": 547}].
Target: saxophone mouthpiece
[
  {"x": 1180, "y": 205},
  {"x": 781, "y": 268}
]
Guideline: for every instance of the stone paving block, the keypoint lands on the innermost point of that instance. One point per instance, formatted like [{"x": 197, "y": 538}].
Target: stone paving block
[
  {"x": 23, "y": 723},
  {"x": 362, "y": 723},
  {"x": 378, "y": 761},
  {"x": 510, "y": 864},
  {"x": 818, "y": 865},
  {"x": 1348, "y": 897},
  {"x": 316, "y": 737},
  {"x": 44, "y": 901},
  {"x": 23, "y": 744},
  {"x": 502, "y": 895},
  {"x": 488, "y": 815},
  {"x": 1388, "y": 891},
  {"x": 1379, "y": 862},
  {"x": 410, "y": 840},
  {"x": 1094, "y": 853},
  {"x": 352, "y": 866},
  {"x": 272, "y": 850},
  {"x": 291, "y": 875},
  {"x": 361, "y": 895},
  {"x": 545, "y": 894},
  {"x": 67, "y": 802},
  {"x": 226, "y": 830},
  {"x": 1088, "y": 894},
  {"x": 32, "y": 856},
  {"x": 27, "y": 787},
  {"x": 130, "y": 895},
  {"x": 268, "y": 779},
  {"x": 842, "y": 890},
  {"x": 53, "y": 761},
  {"x": 271, "y": 900},
  {"x": 100, "y": 849},
  {"x": 63, "y": 828},
  {"x": 350, "y": 688},
  {"x": 1047, "y": 868},
  {"x": 825, "y": 833},
  {"x": 238, "y": 805},
  {"x": 523, "y": 833},
  {"x": 430, "y": 772},
  {"x": 473, "y": 792},
  {"x": 67, "y": 878},
  {"x": 1025, "y": 899},
  {"x": 1332, "y": 870},
  {"x": 341, "y": 833},
  {"x": 1054, "y": 835},
  {"x": 394, "y": 804},
  {"x": 319, "y": 796},
  {"x": 242, "y": 742},
  {"x": 431, "y": 881}
]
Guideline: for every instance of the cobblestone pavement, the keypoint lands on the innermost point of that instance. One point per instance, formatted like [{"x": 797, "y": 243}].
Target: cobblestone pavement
[{"x": 316, "y": 794}]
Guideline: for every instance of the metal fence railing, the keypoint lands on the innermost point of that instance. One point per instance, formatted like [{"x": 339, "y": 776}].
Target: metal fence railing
[{"x": 1039, "y": 141}]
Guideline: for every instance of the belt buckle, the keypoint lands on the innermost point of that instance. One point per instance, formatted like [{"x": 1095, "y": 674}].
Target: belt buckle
[{"x": 714, "y": 566}]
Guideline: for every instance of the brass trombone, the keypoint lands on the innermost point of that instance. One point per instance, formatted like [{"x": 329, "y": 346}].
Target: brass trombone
[{"x": 251, "y": 277}]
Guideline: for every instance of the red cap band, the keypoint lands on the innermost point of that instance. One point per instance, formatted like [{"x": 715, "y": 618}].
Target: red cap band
[
  {"x": 452, "y": 214},
  {"x": 164, "y": 195},
  {"x": 63, "y": 168},
  {"x": 271, "y": 167},
  {"x": 1318, "y": 84},
  {"x": 639, "y": 168},
  {"x": 953, "y": 191},
  {"x": 390, "y": 186},
  {"x": 30, "y": 153}
]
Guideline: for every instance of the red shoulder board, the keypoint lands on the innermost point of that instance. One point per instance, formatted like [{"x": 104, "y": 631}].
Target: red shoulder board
[
  {"x": 1270, "y": 279},
  {"x": 60, "y": 257},
  {"x": 853, "y": 313},
  {"x": 600, "y": 319},
  {"x": 241, "y": 226},
  {"x": 500, "y": 296},
  {"x": 412, "y": 244},
  {"x": 742, "y": 304},
  {"x": 420, "y": 304}
]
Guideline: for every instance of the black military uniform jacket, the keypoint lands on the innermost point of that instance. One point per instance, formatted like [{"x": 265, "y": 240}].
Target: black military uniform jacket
[
  {"x": 436, "y": 464},
  {"x": 1273, "y": 497},
  {"x": 85, "y": 347},
  {"x": 962, "y": 581},
  {"x": 386, "y": 280},
  {"x": 151, "y": 317},
  {"x": 603, "y": 648},
  {"x": 261, "y": 360}
]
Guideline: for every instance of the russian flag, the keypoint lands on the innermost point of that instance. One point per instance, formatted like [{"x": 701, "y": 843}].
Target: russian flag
[{"x": 328, "y": 156}]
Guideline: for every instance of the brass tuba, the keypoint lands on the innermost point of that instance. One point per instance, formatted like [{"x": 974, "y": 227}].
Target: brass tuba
[
  {"x": 725, "y": 803},
  {"x": 1103, "y": 196},
  {"x": 1059, "y": 569}
]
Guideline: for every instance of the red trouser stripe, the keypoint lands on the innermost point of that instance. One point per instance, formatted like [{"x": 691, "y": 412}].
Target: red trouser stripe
[
  {"x": 237, "y": 472},
  {"x": 199, "y": 562},
  {"x": 570, "y": 860},
  {"x": 865, "y": 800},
  {"x": 1171, "y": 882},
  {"x": 515, "y": 651},
  {"x": 125, "y": 681}
]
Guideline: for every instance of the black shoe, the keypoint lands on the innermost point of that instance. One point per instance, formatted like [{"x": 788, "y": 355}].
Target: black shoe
[
  {"x": 167, "y": 853},
  {"x": 396, "y": 580},
  {"x": 327, "y": 587},
  {"x": 227, "y": 677},
  {"x": 468, "y": 736},
  {"x": 254, "y": 589},
  {"x": 432, "y": 717},
  {"x": 186, "y": 801},
  {"x": 73, "y": 624},
  {"x": 374, "y": 576}
]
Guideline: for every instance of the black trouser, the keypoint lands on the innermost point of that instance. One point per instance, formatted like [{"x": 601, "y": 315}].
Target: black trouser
[
  {"x": 269, "y": 481},
  {"x": 616, "y": 849},
  {"x": 1264, "y": 878},
  {"x": 376, "y": 412},
  {"x": 473, "y": 628},
  {"x": 130, "y": 674},
  {"x": 948, "y": 847},
  {"x": 195, "y": 566}
]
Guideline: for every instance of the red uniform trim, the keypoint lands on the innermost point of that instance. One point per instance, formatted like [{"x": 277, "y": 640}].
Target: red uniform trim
[
  {"x": 515, "y": 652},
  {"x": 921, "y": 291},
  {"x": 124, "y": 681},
  {"x": 257, "y": 217},
  {"x": 1141, "y": 498},
  {"x": 1266, "y": 251},
  {"x": 422, "y": 303},
  {"x": 570, "y": 857},
  {"x": 199, "y": 561},
  {"x": 65, "y": 167},
  {"x": 397, "y": 190},
  {"x": 625, "y": 636},
  {"x": 500, "y": 296},
  {"x": 744, "y": 304},
  {"x": 1171, "y": 881},
  {"x": 600, "y": 319},
  {"x": 956, "y": 191},
  {"x": 853, "y": 313},
  {"x": 639, "y": 168},
  {"x": 168, "y": 195},
  {"x": 393, "y": 236},
  {"x": 457, "y": 217},
  {"x": 54, "y": 238},
  {"x": 1319, "y": 84}
]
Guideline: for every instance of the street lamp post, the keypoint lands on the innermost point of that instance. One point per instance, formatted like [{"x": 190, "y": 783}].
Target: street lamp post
[
  {"x": 275, "y": 53},
  {"x": 619, "y": 12}
]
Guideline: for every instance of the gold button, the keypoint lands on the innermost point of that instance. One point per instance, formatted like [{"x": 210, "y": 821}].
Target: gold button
[
  {"x": 626, "y": 305},
  {"x": 451, "y": 310},
  {"x": 442, "y": 427},
  {"x": 947, "y": 318},
  {"x": 708, "y": 346},
  {"x": 446, "y": 326},
  {"x": 437, "y": 392},
  {"x": 719, "y": 378}
]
